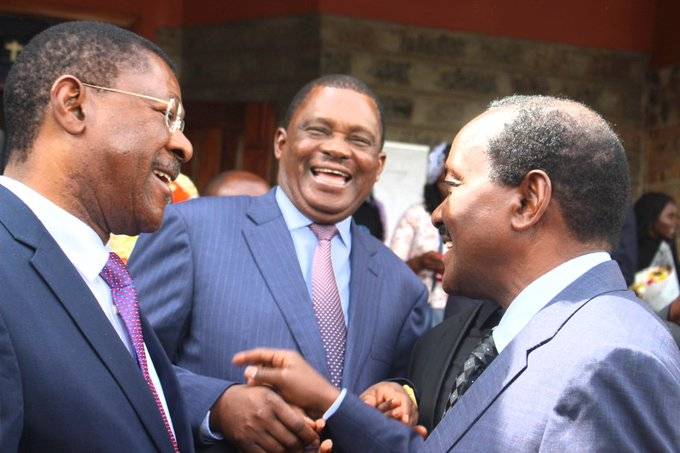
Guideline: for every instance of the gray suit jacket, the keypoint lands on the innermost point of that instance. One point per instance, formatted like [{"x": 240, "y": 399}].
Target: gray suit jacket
[
  {"x": 222, "y": 276},
  {"x": 594, "y": 370}
]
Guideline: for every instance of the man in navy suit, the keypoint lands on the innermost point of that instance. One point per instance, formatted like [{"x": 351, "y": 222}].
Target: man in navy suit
[
  {"x": 94, "y": 137},
  {"x": 224, "y": 274},
  {"x": 538, "y": 188}
]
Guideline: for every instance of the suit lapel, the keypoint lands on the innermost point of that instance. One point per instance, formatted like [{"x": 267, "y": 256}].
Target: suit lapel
[
  {"x": 274, "y": 253},
  {"x": 72, "y": 293},
  {"x": 603, "y": 278},
  {"x": 364, "y": 301},
  {"x": 443, "y": 354}
]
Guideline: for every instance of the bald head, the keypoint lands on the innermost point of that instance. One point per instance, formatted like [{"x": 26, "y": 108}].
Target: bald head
[
  {"x": 236, "y": 182},
  {"x": 578, "y": 150}
]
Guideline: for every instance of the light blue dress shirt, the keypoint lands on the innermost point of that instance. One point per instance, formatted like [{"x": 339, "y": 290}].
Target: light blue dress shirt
[{"x": 305, "y": 243}]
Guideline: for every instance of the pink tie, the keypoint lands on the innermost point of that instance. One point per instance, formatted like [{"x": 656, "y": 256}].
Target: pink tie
[
  {"x": 326, "y": 301},
  {"x": 124, "y": 296}
]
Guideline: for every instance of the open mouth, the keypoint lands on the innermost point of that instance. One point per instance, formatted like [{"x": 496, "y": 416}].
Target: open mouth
[
  {"x": 331, "y": 176},
  {"x": 163, "y": 176}
]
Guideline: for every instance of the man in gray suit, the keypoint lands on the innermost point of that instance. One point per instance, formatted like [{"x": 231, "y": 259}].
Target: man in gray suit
[
  {"x": 538, "y": 188},
  {"x": 227, "y": 274}
]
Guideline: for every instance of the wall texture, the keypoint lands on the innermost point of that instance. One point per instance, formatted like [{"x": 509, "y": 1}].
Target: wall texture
[{"x": 432, "y": 80}]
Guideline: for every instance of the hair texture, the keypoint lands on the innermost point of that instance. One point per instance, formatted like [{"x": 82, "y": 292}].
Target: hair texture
[
  {"x": 579, "y": 152},
  {"x": 431, "y": 193},
  {"x": 647, "y": 211},
  {"x": 94, "y": 52},
  {"x": 343, "y": 81}
]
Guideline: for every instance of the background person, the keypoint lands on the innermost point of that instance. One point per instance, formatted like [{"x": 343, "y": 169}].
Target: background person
[
  {"x": 253, "y": 271},
  {"x": 418, "y": 242},
  {"x": 657, "y": 219}
]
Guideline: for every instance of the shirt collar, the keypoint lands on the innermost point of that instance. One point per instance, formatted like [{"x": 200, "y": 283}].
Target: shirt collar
[
  {"x": 81, "y": 245},
  {"x": 295, "y": 219},
  {"x": 539, "y": 293}
]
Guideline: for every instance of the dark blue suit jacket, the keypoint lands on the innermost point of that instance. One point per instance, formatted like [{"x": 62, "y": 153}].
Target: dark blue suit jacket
[
  {"x": 67, "y": 382},
  {"x": 222, "y": 276}
]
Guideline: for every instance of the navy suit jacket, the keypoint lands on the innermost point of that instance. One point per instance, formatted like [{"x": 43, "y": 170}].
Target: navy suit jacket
[
  {"x": 221, "y": 276},
  {"x": 594, "y": 370},
  {"x": 67, "y": 382}
]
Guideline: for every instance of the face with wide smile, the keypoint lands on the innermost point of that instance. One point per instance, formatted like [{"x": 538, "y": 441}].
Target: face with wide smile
[
  {"x": 330, "y": 154},
  {"x": 134, "y": 156},
  {"x": 475, "y": 212}
]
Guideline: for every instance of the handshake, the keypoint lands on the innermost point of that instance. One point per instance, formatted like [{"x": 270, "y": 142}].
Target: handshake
[{"x": 282, "y": 405}]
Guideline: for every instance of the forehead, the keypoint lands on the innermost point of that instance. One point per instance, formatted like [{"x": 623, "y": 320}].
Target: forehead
[
  {"x": 469, "y": 149},
  {"x": 340, "y": 105},
  {"x": 154, "y": 78}
]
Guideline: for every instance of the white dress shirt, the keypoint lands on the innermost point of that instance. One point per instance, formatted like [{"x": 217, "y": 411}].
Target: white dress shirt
[
  {"x": 539, "y": 292},
  {"x": 85, "y": 250}
]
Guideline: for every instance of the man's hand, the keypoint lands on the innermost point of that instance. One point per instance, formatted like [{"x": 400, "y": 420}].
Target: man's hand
[
  {"x": 256, "y": 419},
  {"x": 289, "y": 374},
  {"x": 392, "y": 400}
]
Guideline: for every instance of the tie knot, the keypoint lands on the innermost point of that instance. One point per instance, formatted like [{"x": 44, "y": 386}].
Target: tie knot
[
  {"x": 115, "y": 272},
  {"x": 323, "y": 232}
]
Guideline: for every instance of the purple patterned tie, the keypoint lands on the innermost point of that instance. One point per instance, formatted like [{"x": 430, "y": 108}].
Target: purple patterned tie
[
  {"x": 124, "y": 296},
  {"x": 326, "y": 301}
]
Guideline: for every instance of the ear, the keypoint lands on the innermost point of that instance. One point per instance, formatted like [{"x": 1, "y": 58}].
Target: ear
[
  {"x": 67, "y": 96},
  {"x": 532, "y": 199},
  {"x": 280, "y": 139},
  {"x": 381, "y": 164}
]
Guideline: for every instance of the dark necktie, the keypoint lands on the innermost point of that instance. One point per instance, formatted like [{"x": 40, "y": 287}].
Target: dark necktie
[
  {"x": 124, "y": 297},
  {"x": 326, "y": 302},
  {"x": 480, "y": 358}
]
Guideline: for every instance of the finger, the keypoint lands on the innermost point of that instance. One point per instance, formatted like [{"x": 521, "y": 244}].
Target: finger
[
  {"x": 326, "y": 446},
  {"x": 369, "y": 399},
  {"x": 295, "y": 424},
  {"x": 259, "y": 356},
  {"x": 256, "y": 375},
  {"x": 281, "y": 434},
  {"x": 264, "y": 443},
  {"x": 385, "y": 406},
  {"x": 421, "y": 431}
]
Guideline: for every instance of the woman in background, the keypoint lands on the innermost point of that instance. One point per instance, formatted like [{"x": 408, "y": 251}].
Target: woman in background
[
  {"x": 656, "y": 215},
  {"x": 418, "y": 242}
]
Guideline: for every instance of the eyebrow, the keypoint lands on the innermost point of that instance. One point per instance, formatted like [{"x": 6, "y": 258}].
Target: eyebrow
[{"x": 351, "y": 129}]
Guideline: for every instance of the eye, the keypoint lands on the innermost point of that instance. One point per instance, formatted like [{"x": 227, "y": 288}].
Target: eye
[
  {"x": 317, "y": 131},
  {"x": 360, "y": 141},
  {"x": 452, "y": 183}
]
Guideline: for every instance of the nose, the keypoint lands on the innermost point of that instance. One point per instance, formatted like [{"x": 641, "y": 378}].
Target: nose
[
  {"x": 180, "y": 146},
  {"x": 337, "y": 147}
]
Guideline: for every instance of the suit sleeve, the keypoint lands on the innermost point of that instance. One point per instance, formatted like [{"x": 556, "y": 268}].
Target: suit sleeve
[
  {"x": 358, "y": 427},
  {"x": 11, "y": 400},
  {"x": 623, "y": 402},
  {"x": 162, "y": 268}
]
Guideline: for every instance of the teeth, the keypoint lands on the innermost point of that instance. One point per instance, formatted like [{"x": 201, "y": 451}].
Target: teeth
[
  {"x": 331, "y": 172},
  {"x": 164, "y": 176}
]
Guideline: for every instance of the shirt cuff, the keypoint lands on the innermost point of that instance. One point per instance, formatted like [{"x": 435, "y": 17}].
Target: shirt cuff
[
  {"x": 334, "y": 407},
  {"x": 207, "y": 436}
]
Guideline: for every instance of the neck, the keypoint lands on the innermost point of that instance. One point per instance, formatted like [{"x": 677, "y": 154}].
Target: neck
[
  {"x": 52, "y": 183},
  {"x": 538, "y": 260}
]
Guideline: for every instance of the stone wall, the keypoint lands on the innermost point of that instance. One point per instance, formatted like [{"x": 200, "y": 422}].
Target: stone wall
[
  {"x": 432, "y": 81},
  {"x": 662, "y": 141}
]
